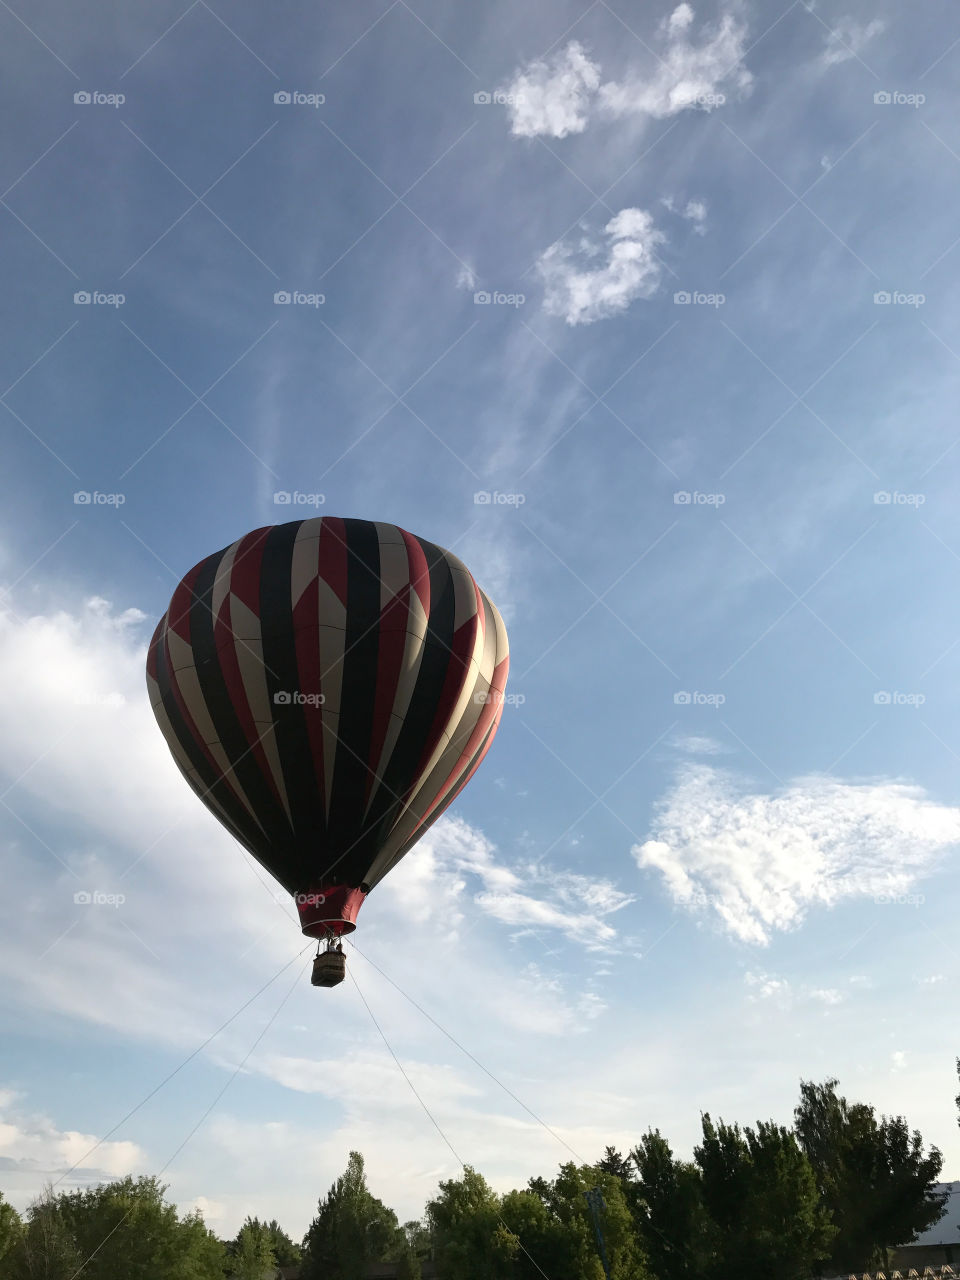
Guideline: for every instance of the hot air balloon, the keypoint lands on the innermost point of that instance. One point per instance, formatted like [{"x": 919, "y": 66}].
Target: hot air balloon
[{"x": 328, "y": 687}]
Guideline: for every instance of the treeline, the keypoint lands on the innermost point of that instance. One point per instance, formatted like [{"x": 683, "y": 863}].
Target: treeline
[{"x": 829, "y": 1194}]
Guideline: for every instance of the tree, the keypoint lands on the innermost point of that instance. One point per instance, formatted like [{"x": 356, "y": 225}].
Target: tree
[
  {"x": 872, "y": 1175},
  {"x": 285, "y": 1251},
  {"x": 119, "y": 1228},
  {"x": 352, "y": 1228},
  {"x": 554, "y": 1228},
  {"x": 674, "y": 1225},
  {"x": 760, "y": 1191},
  {"x": 251, "y": 1254},
  {"x": 470, "y": 1242},
  {"x": 613, "y": 1162},
  {"x": 10, "y": 1226}
]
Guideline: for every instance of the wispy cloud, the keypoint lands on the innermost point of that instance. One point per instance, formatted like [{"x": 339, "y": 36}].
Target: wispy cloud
[
  {"x": 847, "y": 38},
  {"x": 760, "y": 862},
  {"x": 557, "y": 96}
]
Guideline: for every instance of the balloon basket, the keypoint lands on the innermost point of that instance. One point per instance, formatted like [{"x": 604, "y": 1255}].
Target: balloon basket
[{"x": 329, "y": 968}]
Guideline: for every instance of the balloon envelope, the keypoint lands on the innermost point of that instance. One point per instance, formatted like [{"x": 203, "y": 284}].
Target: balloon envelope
[{"x": 328, "y": 687}]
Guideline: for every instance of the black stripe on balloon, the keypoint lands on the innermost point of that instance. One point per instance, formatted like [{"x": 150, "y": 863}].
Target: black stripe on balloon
[
  {"x": 210, "y": 777},
  {"x": 234, "y": 741},
  {"x": 283, "y": 678},
  {"x": 400, "y": 772},
  {"x": 351, "y": 770}
]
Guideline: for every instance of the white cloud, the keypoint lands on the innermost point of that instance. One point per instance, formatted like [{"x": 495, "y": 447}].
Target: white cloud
[
  {"x": 551, "y": 96},
  {"x": 581, "y": 293},
  {"x": 766, "y": 986},
  {"x": 555, "y": 97},
  {"x": 466, "y": 277},
  {"x": 34, "y": 1150},
  {"x": 761, "y": 861},
  {"x": 686, "y": 75},
  {"x": 847, "y": 39},
  {"x": 700, "y": 745}
]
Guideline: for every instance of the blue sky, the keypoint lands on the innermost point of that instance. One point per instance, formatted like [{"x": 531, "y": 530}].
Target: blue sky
[{"x": 712, "y": 850}]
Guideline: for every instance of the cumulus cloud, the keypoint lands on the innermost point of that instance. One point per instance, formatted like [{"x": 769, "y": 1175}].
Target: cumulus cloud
[
  {"x": 760, "y": 862},
  {"x": 33, "y": 1149},
  {"x": 581, "y": 292},
  {"x": 847, "y": 39},
  {"x": 553, "y": 97}
]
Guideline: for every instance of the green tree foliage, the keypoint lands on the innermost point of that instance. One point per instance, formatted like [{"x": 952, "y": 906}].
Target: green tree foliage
[
  {"x": 760, "y": 1191},
  {"x": 679, "y": 1235},
  {"x": 554, "y": 1229},
  {"x": 251, "y": 1253},
  {"x": 260, "y": 1244},
  {"x": 10, "y": 1226},
  {"x": 872, "y": 1175},
  {"x": 464, "y": 1221},
  {"x": 122, "y": 1228},
  {"x": 352, "y": 1228}
]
